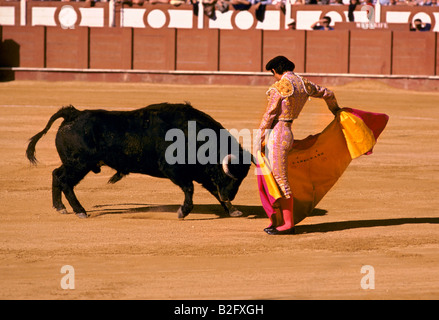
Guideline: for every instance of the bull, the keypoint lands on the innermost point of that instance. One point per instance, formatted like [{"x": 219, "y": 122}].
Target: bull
[{"x": 136, "y": 142}]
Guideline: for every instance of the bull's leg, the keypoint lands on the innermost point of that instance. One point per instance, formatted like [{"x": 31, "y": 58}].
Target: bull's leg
[
  {"x": 227, "y": 205},
  {"x": 68, "y": 178},
  {"x": 56, "y": 191},
  {"x": 230, "y": 209},
  {"x": 187, "y": 206}
]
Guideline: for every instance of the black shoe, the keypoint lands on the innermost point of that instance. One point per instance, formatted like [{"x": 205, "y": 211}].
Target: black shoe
[
  {"x": 277, "y": 232},
  {"x": 269, "y": 228}
]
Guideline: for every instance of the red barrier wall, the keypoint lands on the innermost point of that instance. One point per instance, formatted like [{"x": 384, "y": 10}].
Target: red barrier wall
[
  {"x": 437, "y": 55},
  {"x": 66, "y": 48},
  {"x": 370, "y": 52},
  {"x": 414, "y": 53},
  {"x": 382, "y": 52},
  {"x": 153, "y": 49},
  {"x": 327, "y": 52},
  {"x": 30, "y": 42},
  {"x": 197, "y": 49},
  {"x": 110, "y": 48},
  {"x": 240, "y": 50},
  {"x": 289, "y": 43}
]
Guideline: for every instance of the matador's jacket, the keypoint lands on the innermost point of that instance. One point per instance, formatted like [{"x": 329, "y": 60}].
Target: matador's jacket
[{"x": 286, "y": 99}]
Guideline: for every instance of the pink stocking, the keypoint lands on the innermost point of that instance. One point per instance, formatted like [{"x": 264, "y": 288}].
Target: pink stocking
[{"x": 287, "y": 213}]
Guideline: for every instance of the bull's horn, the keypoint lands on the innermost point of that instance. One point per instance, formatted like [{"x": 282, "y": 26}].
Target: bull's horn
[{"x": 226, "y": 161}]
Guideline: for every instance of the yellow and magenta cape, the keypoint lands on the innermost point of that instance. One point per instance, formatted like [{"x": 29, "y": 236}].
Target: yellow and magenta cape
[{"x": 318, "y": 161}]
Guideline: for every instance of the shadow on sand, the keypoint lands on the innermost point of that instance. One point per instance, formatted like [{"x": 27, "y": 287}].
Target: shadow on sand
[
  {"x": 257, "y": 212},
  {"x": 356, "y": 224},
  {"x": 252, "y": 212}
]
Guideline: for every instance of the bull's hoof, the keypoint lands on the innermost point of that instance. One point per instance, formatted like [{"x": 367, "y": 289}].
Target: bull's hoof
[
  {"x": 62, "y": 211},
  {"x": 235, "y": 213},
  {"x": 180, "y": 214},
  {"x": 184, "y": 210},
  {"x": 82, "y": 215}
]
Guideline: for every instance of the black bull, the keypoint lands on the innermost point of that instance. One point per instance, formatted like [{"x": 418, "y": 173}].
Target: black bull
[{"x": 136, "y": 142}]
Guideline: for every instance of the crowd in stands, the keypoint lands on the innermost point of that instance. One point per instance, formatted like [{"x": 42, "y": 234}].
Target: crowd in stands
[
  {"x": 324, "y": 24},
  {"x": 211, "y": 6},
  {"x": 245, "y": 4}
]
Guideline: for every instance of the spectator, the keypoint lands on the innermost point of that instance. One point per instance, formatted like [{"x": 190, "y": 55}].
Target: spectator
[
  {"x": 337, "y": 2},
  {"x": 322, "y": 24},
  {"x": 280, "y": 4},
  {"x": 419, "y": 26},
  {"x": 262, "y": 2},
  {"x": 411, "y": 3},
  {"x": 261, "y": 6},
  {"x": 222, "y": 6},
  {"x": 158, "y": 1},
  {"x": 292, "y": 25},
  {"x": 241, "y": 4},
  {"x": 352, "y": 6},
  {"x": 208, "y": 8},
  {"x": 177, "y": 3}
]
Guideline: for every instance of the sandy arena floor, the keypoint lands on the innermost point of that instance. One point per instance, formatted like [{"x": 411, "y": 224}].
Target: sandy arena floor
[{"x": 382, "y": 213}]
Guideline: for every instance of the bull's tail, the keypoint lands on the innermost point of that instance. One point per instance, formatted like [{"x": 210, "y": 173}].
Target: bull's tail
[{"x": 69, "y": 113}]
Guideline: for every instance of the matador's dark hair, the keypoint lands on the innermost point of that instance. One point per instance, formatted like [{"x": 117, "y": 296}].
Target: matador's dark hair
[{"x": 280, "y": 64}]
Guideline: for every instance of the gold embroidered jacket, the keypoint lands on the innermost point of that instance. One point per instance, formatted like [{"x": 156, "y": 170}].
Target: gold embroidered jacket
[{"x": 287, "y": 97}]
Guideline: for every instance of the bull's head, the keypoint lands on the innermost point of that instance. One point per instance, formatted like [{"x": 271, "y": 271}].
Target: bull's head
[{"x": 234, "y": 170}]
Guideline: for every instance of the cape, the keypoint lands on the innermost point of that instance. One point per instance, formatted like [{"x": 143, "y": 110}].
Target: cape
[{"x": 318, "y": 161}]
